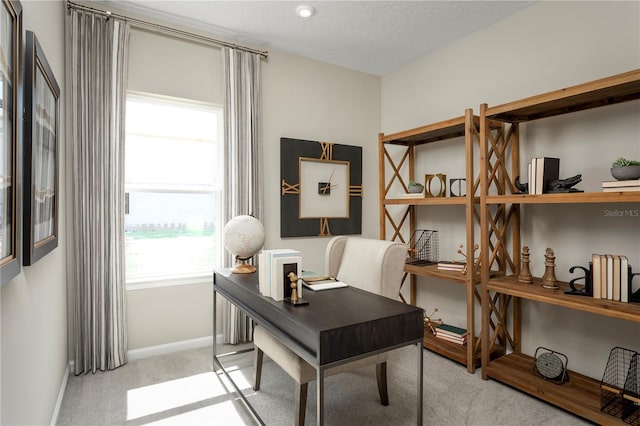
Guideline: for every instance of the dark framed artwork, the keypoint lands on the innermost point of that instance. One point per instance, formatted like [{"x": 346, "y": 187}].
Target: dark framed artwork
[
  {"x": 10, "y": 136},
  {"x": 321, "y": 188},
  {"x": 41, "y": 140}
]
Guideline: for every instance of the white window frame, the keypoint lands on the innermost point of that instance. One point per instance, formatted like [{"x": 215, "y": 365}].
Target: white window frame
[{"x": 146, "y": 282}]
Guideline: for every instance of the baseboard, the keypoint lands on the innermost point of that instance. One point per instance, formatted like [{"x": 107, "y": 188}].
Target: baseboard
[
  {"x": 63, "y": 388},
  {"x": 171, "y": 347}
]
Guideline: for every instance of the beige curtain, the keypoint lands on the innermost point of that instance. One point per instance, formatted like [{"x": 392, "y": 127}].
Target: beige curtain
[
  {"x": 98, "y": 67},
  {"x": 242, "y": 161}
]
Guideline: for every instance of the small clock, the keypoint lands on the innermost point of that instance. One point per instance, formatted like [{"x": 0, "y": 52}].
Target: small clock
[{"x": 321, "y": 188}]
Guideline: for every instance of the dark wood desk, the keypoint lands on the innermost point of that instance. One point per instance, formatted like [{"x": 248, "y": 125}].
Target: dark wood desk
[{"x": 337, "y": 326}]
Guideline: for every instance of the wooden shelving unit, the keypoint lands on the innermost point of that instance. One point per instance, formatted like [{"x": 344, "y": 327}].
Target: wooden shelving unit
[
  {"x": 500, "y": 241},
  {"x": 403, "y": 224}
]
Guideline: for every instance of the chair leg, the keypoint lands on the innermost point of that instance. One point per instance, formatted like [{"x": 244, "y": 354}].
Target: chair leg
[
  {"x": 257, "y": 371},
  {"x": 301, "y": 403},
  {"x": 381, "y": 375}
]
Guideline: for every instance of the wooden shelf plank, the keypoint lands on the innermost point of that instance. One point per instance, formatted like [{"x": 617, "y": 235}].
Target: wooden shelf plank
[
  {"x": 435, "y": 132},
  {"x": 453, "y": 351},
  {"x": 510, "y": 285},
  {"x": 434, "y": 272},
  {"x": 580, "y": 395},
  {"x": 571, "y": 198},
  {"x": 606, "y": 91},
  {"x": 423, "y": 201}
]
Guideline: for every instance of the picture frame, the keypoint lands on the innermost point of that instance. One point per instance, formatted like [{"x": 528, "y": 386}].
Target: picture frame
[
  {"x": 41, "y": 158},
  {"x": 10, "y": 139}
]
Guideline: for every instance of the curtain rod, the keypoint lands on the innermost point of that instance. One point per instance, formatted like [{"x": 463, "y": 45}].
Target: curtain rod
[{"x": 164, "y": 29}]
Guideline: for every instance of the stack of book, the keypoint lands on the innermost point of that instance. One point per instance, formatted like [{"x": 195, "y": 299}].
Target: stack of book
[
  {"x": 452, "y": 265},
  {"x": 274, "y": 267},
  {"x": 610, "y": 277},
  {"x": 621, "y": 185},
  {"x": 452, "y": 334},
  {"x": 541, "y": 171}
]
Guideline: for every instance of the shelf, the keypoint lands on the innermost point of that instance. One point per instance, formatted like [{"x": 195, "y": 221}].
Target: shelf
[
  {"x": 567, "y": 198},
  {"x": 453, "y": 351},
  {"x": 580, "y": 395},
  {"x": 433, "y": 272},
  {"x": 607, "y": 91},
  {"x": 510, "y": 285},
  {"x": 423, "y": 201},
  {"x": 442, "y": 130}
]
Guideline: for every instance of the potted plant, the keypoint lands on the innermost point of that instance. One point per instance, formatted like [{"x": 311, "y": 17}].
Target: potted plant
[
  {"x": 415, "y": 187},
  {"x": 623, "y": 169}
]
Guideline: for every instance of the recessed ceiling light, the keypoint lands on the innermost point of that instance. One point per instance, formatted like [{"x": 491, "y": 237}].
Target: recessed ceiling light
[{"x": 304, "y": 11}]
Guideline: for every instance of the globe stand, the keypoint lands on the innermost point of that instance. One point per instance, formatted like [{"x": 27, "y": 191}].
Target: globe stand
[{"x": 242, "y": 267}]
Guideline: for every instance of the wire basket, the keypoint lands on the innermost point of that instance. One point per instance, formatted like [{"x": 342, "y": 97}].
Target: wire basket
[
  {"x": 423, "y": 247},
  {"x": 619, "y": 388}
]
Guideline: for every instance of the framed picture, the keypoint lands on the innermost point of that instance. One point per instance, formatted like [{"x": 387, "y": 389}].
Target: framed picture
[
  {"x": 41, "y": 140},
  {"x": 10, "y": 130}
]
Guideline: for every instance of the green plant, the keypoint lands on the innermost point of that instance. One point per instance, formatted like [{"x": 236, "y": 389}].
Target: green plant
[
  {"x": 622, "y": 162},
  {"x": 414, "y": 183}
]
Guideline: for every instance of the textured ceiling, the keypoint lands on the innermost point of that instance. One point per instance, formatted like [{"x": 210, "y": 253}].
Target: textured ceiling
[{"x": 376, "y": 37}]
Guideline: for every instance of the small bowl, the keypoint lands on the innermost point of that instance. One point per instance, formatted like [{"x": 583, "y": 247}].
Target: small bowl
[
  {"x": 416, "y": 189},
  {"x": 626, "y": 172}
]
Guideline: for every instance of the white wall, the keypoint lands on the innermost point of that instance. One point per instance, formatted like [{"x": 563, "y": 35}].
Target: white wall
[
  {"x": 33, "y": 313},
  {"x": 305, "y": 99},
  {"x": 545, "y": 47}
]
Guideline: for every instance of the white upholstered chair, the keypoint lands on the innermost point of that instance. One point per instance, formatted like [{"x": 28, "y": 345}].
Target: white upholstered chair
[{"x": 373, "y": 265}]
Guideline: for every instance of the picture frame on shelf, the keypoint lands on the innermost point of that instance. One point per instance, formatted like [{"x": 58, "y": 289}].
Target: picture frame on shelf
[
  {"x": 41, "y": 147},
  {"x": 10, "y": 149}
]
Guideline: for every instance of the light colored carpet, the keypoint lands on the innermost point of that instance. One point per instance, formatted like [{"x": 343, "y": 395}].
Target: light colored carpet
[{"x": 181, "y": 389}]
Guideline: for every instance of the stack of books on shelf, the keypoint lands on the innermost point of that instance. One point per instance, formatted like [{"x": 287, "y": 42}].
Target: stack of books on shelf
[
  {"x": 610, "y": 277},
  {"x": 452, "y": 265},
  {"x": 452, "y": 334},
  {"x": 621, "y": 185},
  {"x": 541, "y": 171}
]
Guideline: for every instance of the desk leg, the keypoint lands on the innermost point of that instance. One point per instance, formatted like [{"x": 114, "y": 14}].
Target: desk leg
[
  {"x": 320, "y": 404},
  {"x": 215, "y": 351},
  {"x": 419, "y": 422}
]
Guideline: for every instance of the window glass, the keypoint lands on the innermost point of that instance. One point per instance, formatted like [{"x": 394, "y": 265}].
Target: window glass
[{"x": 172, "y": 186}]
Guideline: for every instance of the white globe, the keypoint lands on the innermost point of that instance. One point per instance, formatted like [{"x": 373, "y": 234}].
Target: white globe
[{"x": 243, "y": 236}]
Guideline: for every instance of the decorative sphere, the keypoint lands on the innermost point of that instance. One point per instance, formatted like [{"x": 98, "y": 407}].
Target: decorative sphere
[{"x": 243, "y": 236}]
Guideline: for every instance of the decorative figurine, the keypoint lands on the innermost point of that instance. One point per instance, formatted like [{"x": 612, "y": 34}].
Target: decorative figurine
[
  {"x": 522, "y": 187},
  {"x": 525, "y": 273},
  {"x": 549, "y": 279},
  {"x": 294, "y": 299},
  {"x": 565, "y": 185},
  {"x": 432, "y": 323},
  {"x": 476, "y": 260},
  {"x": 442, "y": 190}
]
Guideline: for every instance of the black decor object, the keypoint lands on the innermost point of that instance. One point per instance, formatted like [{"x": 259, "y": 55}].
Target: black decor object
[
  {"x": 587, "y": 287},
  {"x": 550, "y": 365},
  {"x": 620, "y": 386},
  {"x": 321, "y": 188}
]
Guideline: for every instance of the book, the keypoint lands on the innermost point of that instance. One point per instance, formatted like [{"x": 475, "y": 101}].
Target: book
[
  {"x": 616, "y": 277},
  {"x": 622, "y": 189},
  {"x": 319, "y": 283},
  {"x": 609, "y": 276},
  {"x": 265, "y": 261},
  {"x": 451, "y": 265},
  {"x": 620, "y": 183},
  {"x": 280, "y": 282},
  {"x": 624, "y": 279},
  {"x": 451, "y": 330},
  {"x": 596, "y": 286},
  {"x": 460, "y": 341},
  {"x": 548, "y": 169},
  {"x": 533, "y": 179},
  {"x": 603, "y": 277}
]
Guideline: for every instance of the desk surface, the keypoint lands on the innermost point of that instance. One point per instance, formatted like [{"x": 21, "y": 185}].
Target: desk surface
[{"x": 336, "y": 324}]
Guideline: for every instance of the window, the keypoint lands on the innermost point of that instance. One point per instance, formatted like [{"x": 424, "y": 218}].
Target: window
[{"x": 173, "y": 188}]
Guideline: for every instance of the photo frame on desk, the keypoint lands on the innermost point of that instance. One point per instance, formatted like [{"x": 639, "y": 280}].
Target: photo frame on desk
[
  {"x": 41, "y": 147},
  {"x": 10, "y": 150}
]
